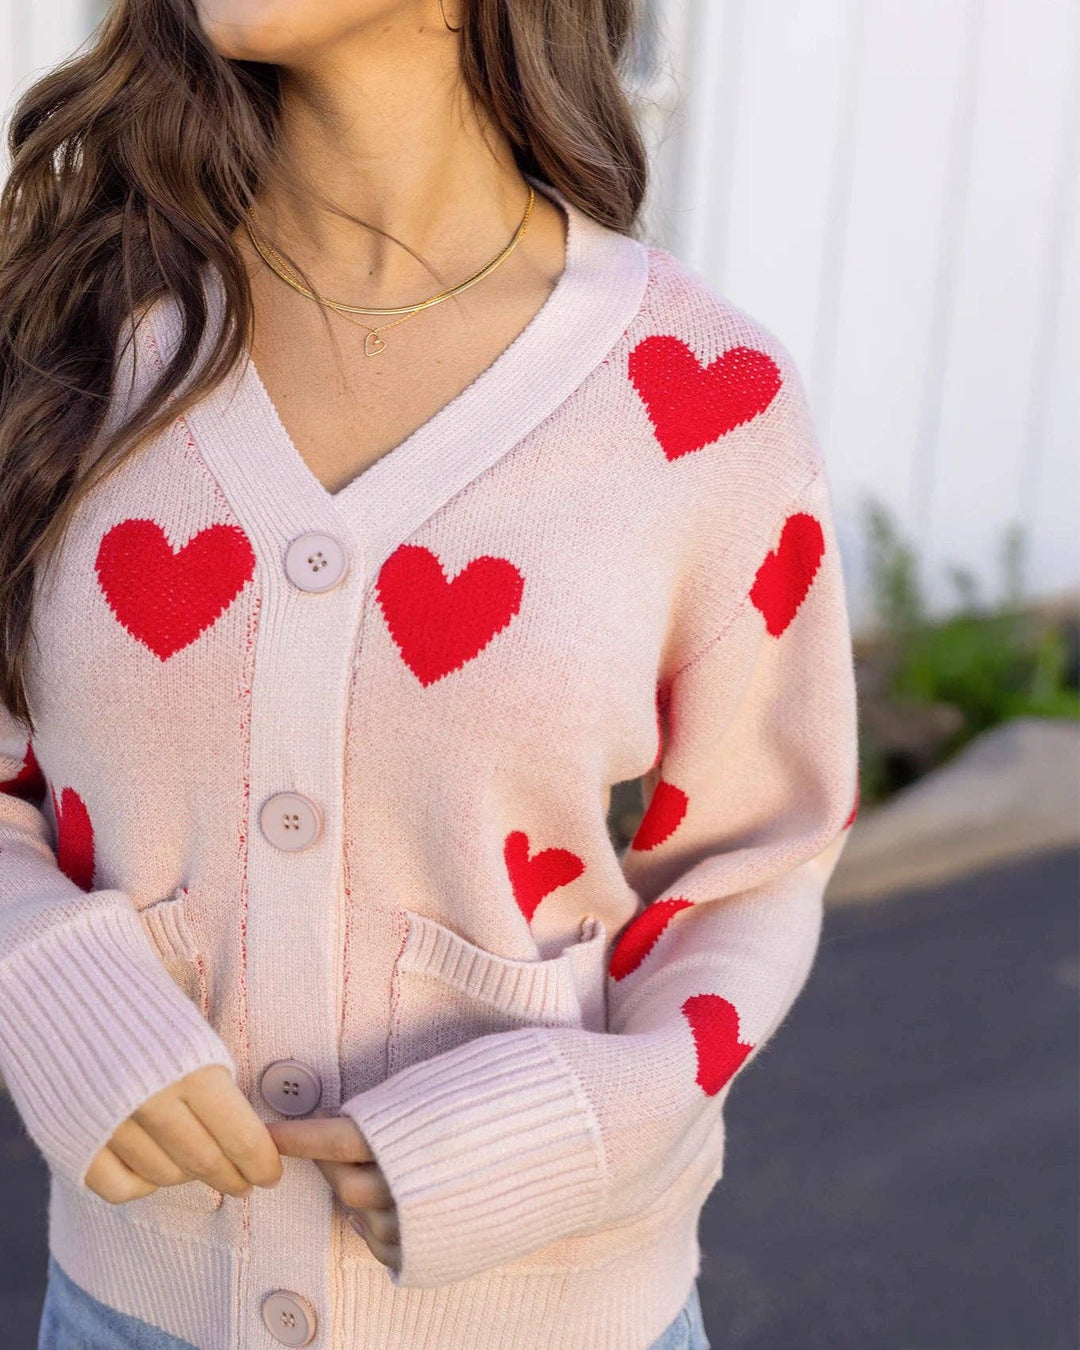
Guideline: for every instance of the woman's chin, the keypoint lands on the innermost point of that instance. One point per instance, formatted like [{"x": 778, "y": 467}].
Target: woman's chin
[{"x": 278, "y": 32}]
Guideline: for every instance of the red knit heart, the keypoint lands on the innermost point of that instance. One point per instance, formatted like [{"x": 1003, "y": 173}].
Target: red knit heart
[
  {"x": 29, "y": 782},
  {"x": 533, "y": 878},
  {"x": 438, "y": 624},
  {"x": 665, "y": 811},
  {"x": 74, "y": 838},
  {"x": 784, "y": 578},
  {"x": 639, "y": 936},
  {"x": 166, "y": 598},
  {"x": 715, "y": 1025},
  {"x": 691, "y": 405}
]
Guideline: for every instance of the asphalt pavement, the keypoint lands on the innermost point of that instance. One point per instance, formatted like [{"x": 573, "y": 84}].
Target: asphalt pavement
[
  {"x": 902, "y": 1159},
  {"x": 902, "y": 1162}
]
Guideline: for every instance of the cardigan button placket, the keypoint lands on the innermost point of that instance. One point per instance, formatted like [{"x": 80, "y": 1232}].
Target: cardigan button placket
[
  {"x": 308, "y": 627},
  {"x": 316, "y": 561}
]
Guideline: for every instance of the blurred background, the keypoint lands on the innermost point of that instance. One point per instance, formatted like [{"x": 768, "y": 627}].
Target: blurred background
[{"x": 893, "y": 188}]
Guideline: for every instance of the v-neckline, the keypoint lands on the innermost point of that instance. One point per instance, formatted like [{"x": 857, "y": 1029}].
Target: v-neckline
[
  {"x": 426, "y": 430},
  {"x": 241, "y": 433}
]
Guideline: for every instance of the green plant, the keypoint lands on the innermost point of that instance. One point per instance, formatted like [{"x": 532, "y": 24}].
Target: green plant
[
  {"x": 991, "y": 659},
  {"x": 894, "y": 579}
]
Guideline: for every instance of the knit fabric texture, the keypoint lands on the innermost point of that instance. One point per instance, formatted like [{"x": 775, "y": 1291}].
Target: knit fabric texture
[{"x": 612, "y": 556}]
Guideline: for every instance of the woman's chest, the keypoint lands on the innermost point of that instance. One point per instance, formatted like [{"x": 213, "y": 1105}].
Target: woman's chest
[{"x": 349, "y": 390}]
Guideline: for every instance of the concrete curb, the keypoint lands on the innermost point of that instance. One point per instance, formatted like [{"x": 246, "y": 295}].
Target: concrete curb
[{"x": 1012, "y": 792}]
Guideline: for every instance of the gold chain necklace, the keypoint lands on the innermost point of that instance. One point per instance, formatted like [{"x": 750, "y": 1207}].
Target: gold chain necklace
[{"x": 373, "y": 343}]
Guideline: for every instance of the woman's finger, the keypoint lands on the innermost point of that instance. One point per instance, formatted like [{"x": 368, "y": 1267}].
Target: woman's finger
[
  {"x": 382, "y": 1224},
  {"x": 173, "y": 1124},
  {"x": 145, "y": 1156},
  {"x": 231, "y": 1120},
  {"x": 357, "y": 1185},
  {"x": 333, "y": 1138},
  {"x": 113, "y": 1180},
  {"x": 388, "y": 1253}
]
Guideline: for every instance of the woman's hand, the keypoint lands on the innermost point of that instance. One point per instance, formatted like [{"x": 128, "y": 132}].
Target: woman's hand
[
  {"x": 201, "y": 1127},
  {"x": 341, "y": 1153}
]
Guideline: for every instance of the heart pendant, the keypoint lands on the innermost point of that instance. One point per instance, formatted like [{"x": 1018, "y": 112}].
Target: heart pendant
[{"x": 373, "y": 344}]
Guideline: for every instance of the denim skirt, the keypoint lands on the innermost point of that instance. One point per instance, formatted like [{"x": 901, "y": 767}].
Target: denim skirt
[{"x": 72, "y": 1320}]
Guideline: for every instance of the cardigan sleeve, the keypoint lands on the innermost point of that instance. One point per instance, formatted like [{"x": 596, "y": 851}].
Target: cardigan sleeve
[
  {"x": 517, "y": 1139},
  {"x": 91, "y": 1022}
]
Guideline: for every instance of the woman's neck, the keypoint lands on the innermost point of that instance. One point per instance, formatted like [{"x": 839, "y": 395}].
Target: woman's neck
[{"x": 386, "y": 130}]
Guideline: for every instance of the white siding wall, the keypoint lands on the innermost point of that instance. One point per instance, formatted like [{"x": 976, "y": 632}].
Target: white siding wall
[
  {"x": 35, "y": 34},
  {"x": 892, "y": 186}
]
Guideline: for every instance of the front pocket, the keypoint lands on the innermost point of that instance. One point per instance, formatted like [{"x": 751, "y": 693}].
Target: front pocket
[
  {"x": 169, "y": 929},
  {"x": 167, "y": 925},
  {"x": 448, "y": 991}
]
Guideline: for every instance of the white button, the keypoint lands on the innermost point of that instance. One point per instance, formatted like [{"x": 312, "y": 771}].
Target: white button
[
  {"x": 315, "y": 562},
  {"x": 289, "y": 1317},
  {"x": 290, "y": 821},
  {"x": 290, "y": 1087}
]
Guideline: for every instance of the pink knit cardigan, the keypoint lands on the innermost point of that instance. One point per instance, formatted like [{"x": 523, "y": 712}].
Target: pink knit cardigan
[{"x": 611, "y": 556}]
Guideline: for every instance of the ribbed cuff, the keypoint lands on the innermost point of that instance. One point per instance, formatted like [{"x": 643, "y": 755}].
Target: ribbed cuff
[
  {"x": 91, "y": 1024},
  {"x": 490, "y": 1151}
]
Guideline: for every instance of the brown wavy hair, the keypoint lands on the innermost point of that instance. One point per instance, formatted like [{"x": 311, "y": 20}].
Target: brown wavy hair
[{"x": 132, "y": 166}]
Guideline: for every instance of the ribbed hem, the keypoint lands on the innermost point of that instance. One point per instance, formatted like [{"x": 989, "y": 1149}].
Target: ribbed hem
[
  {"x": 615, "y": 1290},
  {"x": 91, "y": 1024},
  {"x": 623, "y": 1301},
  {"x": 490, "y": 1151}
]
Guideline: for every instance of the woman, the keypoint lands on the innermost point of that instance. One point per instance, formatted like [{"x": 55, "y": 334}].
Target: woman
[{"x": 374, "y": 499}]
